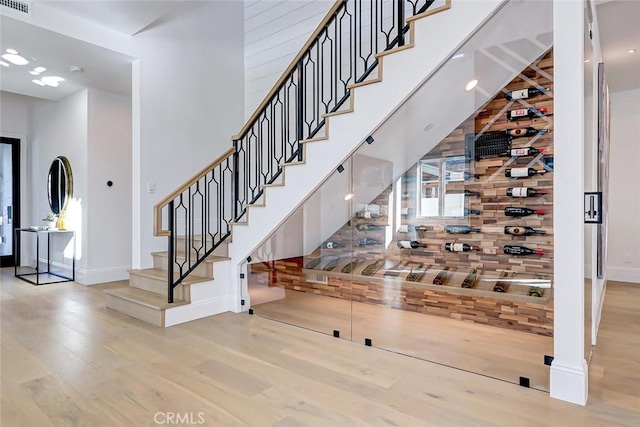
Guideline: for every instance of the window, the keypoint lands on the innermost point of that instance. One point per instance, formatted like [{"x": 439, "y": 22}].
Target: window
[{"x": 441, "y": 187}]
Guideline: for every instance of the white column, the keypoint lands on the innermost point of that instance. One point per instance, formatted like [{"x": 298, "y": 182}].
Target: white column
[
  {"x": 136, "y": 166},
  {"x": 569, "y": 379}
]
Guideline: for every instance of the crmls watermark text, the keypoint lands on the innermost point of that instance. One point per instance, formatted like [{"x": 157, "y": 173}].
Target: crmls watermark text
[{"x": 179, "y": 418}]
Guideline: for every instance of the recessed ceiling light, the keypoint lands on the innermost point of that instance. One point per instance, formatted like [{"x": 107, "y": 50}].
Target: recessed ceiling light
[
  {"x": 631, "y": 51},
  {"x": 458, "y": 56},
  {"x": 15, "y": 59},
  {"x": 4, "y": 64},
  {"x": 471, "y": 85},
  {"x": 348, "y": 196},
  {"x": 12, "y": 51},
  {"x": 52, "y": 80},
  {"x": 587, "y": 60},
  {"x": 39, "y": 69},
  {"x": 38, "y": 82}
]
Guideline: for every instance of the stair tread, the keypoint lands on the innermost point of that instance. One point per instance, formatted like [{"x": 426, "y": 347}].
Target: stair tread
[
  {"x": 210, "y": 259},
  {"x": 156, "y": 273},
  {"x": 145, "y": 298}
]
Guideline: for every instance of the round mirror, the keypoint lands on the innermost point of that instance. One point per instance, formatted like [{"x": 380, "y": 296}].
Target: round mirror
[{"x": 60, "y": 184}]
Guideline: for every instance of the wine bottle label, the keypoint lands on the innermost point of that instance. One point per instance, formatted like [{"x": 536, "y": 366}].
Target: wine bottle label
[
  {"x": 404, "y": 244},
  {"x": 520, "y": 94},
  {"x": 367, "y": 214},
  {"x": 329, "y": 245},
  {"x": 522, "y": 112},
  {"x": 519, "y": 172},
  {"x": 403, "y": 229},
  {"x": 456, "y": 176},
  {"x": 457, "y": 247},
  {"x": 520, "y": 152},
  {"x": 516, "y": 231},
  {"x": 519, "y": 192}
]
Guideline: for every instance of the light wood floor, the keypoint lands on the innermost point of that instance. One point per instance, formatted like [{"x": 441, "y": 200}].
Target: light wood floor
[
  {"x": 487, "y": 350},
  {"x": 66, "y": 360}
]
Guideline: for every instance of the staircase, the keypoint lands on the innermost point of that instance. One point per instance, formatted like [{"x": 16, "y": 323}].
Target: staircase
[{"x": 252, "y": 196}]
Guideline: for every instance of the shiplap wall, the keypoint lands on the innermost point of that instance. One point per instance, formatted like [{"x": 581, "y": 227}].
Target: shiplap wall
[{"x": 274, "y": 32}]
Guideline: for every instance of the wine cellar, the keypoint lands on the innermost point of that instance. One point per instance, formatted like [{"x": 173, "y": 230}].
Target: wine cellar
[{"x": 465, "y": 233}]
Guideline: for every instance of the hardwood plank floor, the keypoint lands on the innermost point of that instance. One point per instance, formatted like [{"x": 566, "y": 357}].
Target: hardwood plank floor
[
  {"x": 68, "y": 360},
  {"x": 487, "y": 350}
]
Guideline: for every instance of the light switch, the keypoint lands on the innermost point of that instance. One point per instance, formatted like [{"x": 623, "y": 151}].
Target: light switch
[{"x": 151, "y": 187}]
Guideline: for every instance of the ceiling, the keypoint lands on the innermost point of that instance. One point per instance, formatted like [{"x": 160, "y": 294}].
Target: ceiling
[
  {"x": 103, "y": 69},
  {"x": 111, "y": 71}
]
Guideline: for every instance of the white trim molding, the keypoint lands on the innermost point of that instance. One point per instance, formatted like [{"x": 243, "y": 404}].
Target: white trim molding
[
  {"x": 570, "y": 383},
  {"x": 102, "y": 275},
  {"x": 623, "y": 274}
]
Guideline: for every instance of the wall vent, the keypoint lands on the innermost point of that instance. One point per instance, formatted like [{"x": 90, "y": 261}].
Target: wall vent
[{"x": 19, "y": 6}]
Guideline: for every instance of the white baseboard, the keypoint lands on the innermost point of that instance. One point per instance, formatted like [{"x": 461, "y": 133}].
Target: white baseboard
[
  {"x": 102, "y": 275},
  {"x": 569, "y": 383},
  {"x": 623, "y": 274},
  {"x": 197, "y": 310}
]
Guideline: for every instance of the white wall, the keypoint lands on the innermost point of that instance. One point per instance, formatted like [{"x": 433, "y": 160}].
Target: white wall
[
  {"x": 274, "y": 33},
  {"x": 624, "y": 188},
  {"x": 109, "y": 159},
  {"x": 187, "y": 103},
  {"x": 60, "y": 129}
]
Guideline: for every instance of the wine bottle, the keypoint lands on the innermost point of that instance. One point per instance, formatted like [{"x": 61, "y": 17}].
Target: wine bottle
[
  {"x": 536, "y": 292},
  {"x": 524, "y": 131},
  {"x": 468, "y": 211},
  {"x": 528, "y": 151},
  {"x": 460, "y": 229},
  {"x": 512, "y": 211},
  {"x": 352, "y": 265},
  {"x": 405, "y": 228},
  {"x": 417, "y": 273},
  {"x": 525, "y": 113},
  {"x": 369, "y": 227},
  {"x": 372, "y": 268},
  {"x": 332, "y": 245},
  {"x": 524, "y": 192},
  {"x": 442, "y": 278},
  {"x": 407, "y": 211},
  {"x": 460, "y": 176},
  {"x": 470, "y": 193},
  {"x": 522, "y": 231},
  {"x": 460, "y": 247},
  {"x": 331, "y": 264},
  {"x": 525, "y": 93},
  {"x": 393, "y": 271},
  {"x": 366, "y": 241},
  {"x": 471, "y": 279},
  {"x": 522, "y": 172},
  {"x": 410, "y": 244},
  {"x": 314, "y": 263},
  {"x": 521, "y": 250},
  {"x": 501, "y": 285},
  {"x": 366, "y": 214}
]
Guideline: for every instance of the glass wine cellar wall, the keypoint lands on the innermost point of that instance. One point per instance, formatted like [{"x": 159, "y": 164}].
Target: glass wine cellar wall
[{"x": 435, "y": 238}]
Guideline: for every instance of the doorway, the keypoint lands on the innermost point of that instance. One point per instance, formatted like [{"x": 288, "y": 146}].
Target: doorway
[{"x": 9, "y": 198}]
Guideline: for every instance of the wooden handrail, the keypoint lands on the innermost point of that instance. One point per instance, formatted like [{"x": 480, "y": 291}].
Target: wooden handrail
[
  {"x": 157, "y": 216},
  {"x": 287, "y": 72}
]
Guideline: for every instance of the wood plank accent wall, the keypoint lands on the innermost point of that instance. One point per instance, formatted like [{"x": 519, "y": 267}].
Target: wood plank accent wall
[{"x": 514, "y": 309}]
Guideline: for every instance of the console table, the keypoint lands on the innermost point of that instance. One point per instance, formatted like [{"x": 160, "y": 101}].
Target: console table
[{"x": 33, "y": 275}]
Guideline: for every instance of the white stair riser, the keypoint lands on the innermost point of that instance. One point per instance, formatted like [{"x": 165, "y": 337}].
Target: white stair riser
[
  {"x": 221, "y": 250},
  {"x": 133, "y": 309},
  {"x": 157, "y": 286},
  {"x": 205, "y": 269}
]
